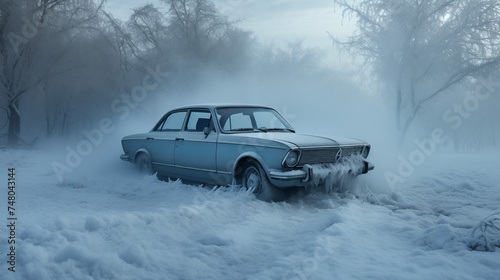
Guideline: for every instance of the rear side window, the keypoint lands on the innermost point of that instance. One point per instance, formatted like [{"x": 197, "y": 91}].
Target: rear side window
[{"x": 173, "y": 122}]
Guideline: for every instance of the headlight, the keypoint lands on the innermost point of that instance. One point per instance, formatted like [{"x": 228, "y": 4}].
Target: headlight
[
  {"x": 291, "y": 159},
  {"x": 365, "y": 151}
]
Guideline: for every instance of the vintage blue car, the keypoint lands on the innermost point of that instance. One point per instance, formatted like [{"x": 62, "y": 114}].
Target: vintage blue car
[{"x": 252, "y": 146}]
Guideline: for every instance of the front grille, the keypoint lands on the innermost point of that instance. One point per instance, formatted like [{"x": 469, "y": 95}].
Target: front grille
[{"x": 326, "y": 155}]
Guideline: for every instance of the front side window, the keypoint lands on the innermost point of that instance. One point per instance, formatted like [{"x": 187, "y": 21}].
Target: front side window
[
  {"x": 173, "y": 122},
  {"x": 198, "y": 120}
]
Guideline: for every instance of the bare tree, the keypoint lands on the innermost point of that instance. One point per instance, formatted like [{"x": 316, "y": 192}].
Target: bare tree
[
  {"x": 197, "y": 26},
  {"x": 189, "y": 35},
  {"x": 150, "y": 37},
  {"x": 421, "y": 49},
  {"x": 35, "y": 37}
]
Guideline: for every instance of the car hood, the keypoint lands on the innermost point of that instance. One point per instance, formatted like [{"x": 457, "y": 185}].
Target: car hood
[{"x": 306, "y": 141}]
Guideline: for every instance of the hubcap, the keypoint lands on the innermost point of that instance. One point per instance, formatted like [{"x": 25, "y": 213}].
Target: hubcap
[{"x": 253, "y": 179}]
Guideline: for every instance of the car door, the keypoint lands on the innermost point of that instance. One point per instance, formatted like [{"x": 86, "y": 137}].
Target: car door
[
  {"x": 195, "y": 151},
  {"x": 162, "y": 140}
]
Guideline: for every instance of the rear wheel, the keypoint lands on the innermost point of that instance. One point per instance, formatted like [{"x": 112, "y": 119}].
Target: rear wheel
[
  {"x": 255, "y": 179},
  {"x": 143, "y": 162}
]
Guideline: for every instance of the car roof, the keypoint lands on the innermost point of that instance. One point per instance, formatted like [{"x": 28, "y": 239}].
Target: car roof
[{"x": 219, "y": 105}]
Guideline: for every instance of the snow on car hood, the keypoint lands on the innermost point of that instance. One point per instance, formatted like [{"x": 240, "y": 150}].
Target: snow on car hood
[{"x": 305, "y": 141}]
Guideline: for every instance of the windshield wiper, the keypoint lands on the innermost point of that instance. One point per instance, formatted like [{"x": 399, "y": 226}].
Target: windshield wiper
[
  {"x": 246, "y": 129},
  {"x": 249, "y": 129},
  {"x": 278, "y": 129},
  {"x": 242, "y": 129}
]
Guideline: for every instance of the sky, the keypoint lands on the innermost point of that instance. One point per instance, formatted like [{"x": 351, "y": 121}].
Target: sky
[{"x": 275, "y": 22}]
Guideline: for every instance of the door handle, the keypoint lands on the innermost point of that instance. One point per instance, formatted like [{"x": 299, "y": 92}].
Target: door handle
[
  {"x": 179, "y": 139},
  {"x": 149, "y": 138}
]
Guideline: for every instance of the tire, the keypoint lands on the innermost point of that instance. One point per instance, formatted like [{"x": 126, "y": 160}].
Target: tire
[
  {"x": 254, "y": 178},
  {"x": 143, "y": 163}
]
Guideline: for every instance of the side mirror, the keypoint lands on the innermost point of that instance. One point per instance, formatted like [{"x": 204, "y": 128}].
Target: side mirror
[{"x": 206, "y": 130}]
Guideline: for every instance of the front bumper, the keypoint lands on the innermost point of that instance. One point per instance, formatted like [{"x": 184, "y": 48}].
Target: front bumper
[
  {"x": 368, "y": 166},
  {"x": 124, "y": 157},
  {"x": 303, "y": 176}
]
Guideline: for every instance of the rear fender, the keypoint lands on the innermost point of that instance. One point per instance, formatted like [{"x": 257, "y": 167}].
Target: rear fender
[{"x": 141, "y": 150}]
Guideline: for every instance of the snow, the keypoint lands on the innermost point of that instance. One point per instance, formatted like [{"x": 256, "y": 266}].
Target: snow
[
  {"x": 106, "y": 221},
  {"x": 336, "y": 176}
]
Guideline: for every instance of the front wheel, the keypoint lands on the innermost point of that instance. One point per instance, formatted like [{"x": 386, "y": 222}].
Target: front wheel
[
  {"x": 255, "y": 179},
  {"x": 143, "y": 162}
]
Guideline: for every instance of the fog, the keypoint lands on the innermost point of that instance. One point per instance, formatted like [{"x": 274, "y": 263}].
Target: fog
[
  {"x": 132, "y": 72},
  {"x": 417, "y": 80}
]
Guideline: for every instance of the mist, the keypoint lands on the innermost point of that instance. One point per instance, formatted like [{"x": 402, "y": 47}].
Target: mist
[
  {"x": 417, "y": 81},
  {"x": 130, "y": 73},
  {"x": 229, "y": 65}
]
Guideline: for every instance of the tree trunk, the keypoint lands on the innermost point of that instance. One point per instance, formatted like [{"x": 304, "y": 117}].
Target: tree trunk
[
  {"x": 14, "y": 125},
  {"x": 398, "y": 102},
  {"x": 406, "y": 126}
]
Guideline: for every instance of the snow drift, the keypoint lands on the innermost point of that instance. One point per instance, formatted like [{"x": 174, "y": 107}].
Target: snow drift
[{"x": 107, "y": 221}]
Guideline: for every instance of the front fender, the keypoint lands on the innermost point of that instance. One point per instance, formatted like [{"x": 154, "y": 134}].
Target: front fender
[{"x": 253, "y": 155}]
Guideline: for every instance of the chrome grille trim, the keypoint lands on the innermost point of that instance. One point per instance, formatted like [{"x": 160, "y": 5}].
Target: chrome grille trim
[{"x": 326, "y": 154}]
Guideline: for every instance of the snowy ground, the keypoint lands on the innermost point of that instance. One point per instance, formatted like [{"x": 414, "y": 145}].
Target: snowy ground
[{"x": 108, "y": 222}]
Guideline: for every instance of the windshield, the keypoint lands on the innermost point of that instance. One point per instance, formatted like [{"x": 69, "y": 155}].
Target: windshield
[{"x": 251, "y": 119}]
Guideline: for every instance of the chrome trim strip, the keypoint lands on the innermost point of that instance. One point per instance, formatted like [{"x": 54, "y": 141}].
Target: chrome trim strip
[
  {"x": 164, "y": 164},
  {"x": 337, "y": 146},
  {"x": 195, "y": 140},
  {"x": 280, "y": 177},
  {"x": 193, "y": 168},
  {"x": 124, "y": 157},
  {"x": 277, "y": 175},
  {"x": 252, "y": 145},
  {"x": 197, "y": 169}
]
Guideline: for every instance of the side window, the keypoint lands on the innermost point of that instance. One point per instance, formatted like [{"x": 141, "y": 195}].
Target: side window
[
  {"x": 198, "y": 120},
  {"x": 237, "y": 121},
  {"x": 174, "y": 121}
]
